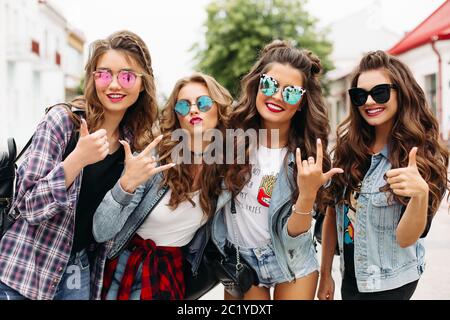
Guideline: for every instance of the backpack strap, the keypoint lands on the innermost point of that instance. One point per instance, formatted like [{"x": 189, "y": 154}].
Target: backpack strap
[
  {"x": 71, "y": 144},
  {"x": 24, "y": 149},
  {"x": 12, "y": 150}
]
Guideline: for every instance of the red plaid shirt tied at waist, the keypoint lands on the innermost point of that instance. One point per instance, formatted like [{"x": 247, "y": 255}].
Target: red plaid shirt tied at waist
[{"x": 162, "y": 271}]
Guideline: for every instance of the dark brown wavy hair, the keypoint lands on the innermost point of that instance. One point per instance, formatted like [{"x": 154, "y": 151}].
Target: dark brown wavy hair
[
  {"x": 308, "y": 124},
  {"x": 141, "y": 116},
  {"x": 180, "y": 178},
  {"x": 414, "y": 125}
]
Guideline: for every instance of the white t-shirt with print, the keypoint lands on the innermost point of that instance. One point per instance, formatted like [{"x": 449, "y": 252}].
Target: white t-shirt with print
[{"x": 252, "y": 203}]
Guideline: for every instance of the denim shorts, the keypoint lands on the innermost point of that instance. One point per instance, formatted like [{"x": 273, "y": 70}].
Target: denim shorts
[{"x": 263, "y": 260}]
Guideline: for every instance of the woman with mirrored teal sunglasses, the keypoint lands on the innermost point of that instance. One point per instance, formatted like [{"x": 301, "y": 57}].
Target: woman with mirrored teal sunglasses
[{"x": 275, "y": 195}]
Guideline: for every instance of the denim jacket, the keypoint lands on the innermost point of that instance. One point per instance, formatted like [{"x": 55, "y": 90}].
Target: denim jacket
[
  {"x": 288, "y": 250},
  {"x": 121, "y": 214},
  {"x": 380, "y": 263}
]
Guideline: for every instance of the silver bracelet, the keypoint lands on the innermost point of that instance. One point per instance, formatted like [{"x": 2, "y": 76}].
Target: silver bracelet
[{"x": 311, "y": 213}]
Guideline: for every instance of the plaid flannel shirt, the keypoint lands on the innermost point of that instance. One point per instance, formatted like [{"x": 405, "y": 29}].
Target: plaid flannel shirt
[
  {"x": 162, "y": 276},
  {"x": 35, "y": 251}
]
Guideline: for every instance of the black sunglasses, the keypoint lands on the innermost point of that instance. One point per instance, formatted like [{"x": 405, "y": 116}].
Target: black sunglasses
[{"x": 380, "y": 94}]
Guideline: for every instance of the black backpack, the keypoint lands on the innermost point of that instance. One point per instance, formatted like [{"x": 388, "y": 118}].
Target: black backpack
[{"x": 8, "y": 169}]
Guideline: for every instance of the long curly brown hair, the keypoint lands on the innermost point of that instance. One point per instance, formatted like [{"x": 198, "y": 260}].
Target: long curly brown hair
[
  {"x": 414, "y": 125},
  {"x": 141, "y": 116},
  {"x": 181, "y": 178},
  {"x": 307, "y": 125}
]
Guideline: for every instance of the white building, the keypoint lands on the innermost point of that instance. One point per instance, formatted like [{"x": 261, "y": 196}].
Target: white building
[
  {"x": 73, "y": 61},
  {"x": 352, "y": 37},
  {"x": 34, "y": 37},
  {"x": 426, "y": 50}
]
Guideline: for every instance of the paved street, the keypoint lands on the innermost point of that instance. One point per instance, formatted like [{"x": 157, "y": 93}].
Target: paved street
[{"x": 435, "y": 282}]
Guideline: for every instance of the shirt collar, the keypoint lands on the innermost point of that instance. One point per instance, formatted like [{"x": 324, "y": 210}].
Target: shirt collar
[{"x": 384, "y": 152}]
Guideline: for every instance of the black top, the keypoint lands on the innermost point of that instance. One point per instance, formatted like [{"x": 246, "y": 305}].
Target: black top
[
  {"x": 349, "y": 246},
  {"x": 98, "y": 179}
]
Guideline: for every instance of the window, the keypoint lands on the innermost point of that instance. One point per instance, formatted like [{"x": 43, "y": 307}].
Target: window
[
  {"x": 430, "y": 91},
  {"x": 58, "y": 58},
  {"x": 35, "y": 47}
]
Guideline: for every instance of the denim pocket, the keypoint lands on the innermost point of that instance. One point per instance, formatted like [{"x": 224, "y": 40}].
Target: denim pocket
[
  {"x": 385, "y": 214},
  {"x": 385, "y": 217}
]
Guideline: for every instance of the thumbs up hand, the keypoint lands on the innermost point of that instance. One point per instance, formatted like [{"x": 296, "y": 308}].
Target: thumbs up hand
[
  {"x": 93, "y": 147},
  {"x": 408, "y": 182},
  {"x": 140, "y": 168}
]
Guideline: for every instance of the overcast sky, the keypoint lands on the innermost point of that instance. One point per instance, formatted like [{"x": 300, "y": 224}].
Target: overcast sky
[{"x": 171, "y": 27}]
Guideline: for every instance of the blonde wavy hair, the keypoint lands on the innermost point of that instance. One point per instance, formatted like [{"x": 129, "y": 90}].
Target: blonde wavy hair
[
  {"x": 180, "y": 179},
  {"x": 141, "y": 116}
]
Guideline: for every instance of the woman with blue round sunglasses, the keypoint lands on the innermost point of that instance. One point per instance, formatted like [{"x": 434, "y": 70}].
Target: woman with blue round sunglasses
[{"x": 159, "y": 225}]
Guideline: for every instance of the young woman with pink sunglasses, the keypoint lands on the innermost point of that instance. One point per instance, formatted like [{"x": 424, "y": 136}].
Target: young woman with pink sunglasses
[{"x": 50, "y": 252}]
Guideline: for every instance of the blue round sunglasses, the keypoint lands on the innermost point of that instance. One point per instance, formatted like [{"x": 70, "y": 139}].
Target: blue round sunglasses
[{"x": 203, "y": 103}]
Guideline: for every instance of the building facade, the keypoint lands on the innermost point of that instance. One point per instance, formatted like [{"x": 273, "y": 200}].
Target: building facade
[
  {"x": 32, "y": 64},
  {"x": 426, "y": 50}
]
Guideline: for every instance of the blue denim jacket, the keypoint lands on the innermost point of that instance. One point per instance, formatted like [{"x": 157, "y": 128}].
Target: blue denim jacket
[
  {"x": 120, "y": 215},
  {"x": 380, "y": 263},
  {"x": 288, "y": 250}
]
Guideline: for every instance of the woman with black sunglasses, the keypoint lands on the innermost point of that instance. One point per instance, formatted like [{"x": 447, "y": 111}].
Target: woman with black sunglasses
[
  {"x": 152, "y": 218},
  {"x": 395, "y": 178}
]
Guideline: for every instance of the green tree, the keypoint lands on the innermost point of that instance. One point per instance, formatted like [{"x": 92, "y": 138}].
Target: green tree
[
  {"x": 80, "y": 87},
  {"x": 236, "y": 31}
]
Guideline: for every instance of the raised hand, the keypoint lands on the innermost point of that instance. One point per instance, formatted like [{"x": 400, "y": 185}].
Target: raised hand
[
  {"x": 93, "y": 147},
  {"x": 310, "y": 176},
  {"x": 140, "y": 168},
  {"x": 408, "y": 182}
]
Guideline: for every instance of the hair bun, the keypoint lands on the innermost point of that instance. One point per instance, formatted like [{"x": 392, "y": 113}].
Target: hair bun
[
  {"x": 276, "y": 44},
  {"x": 316, "y": 66}
]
